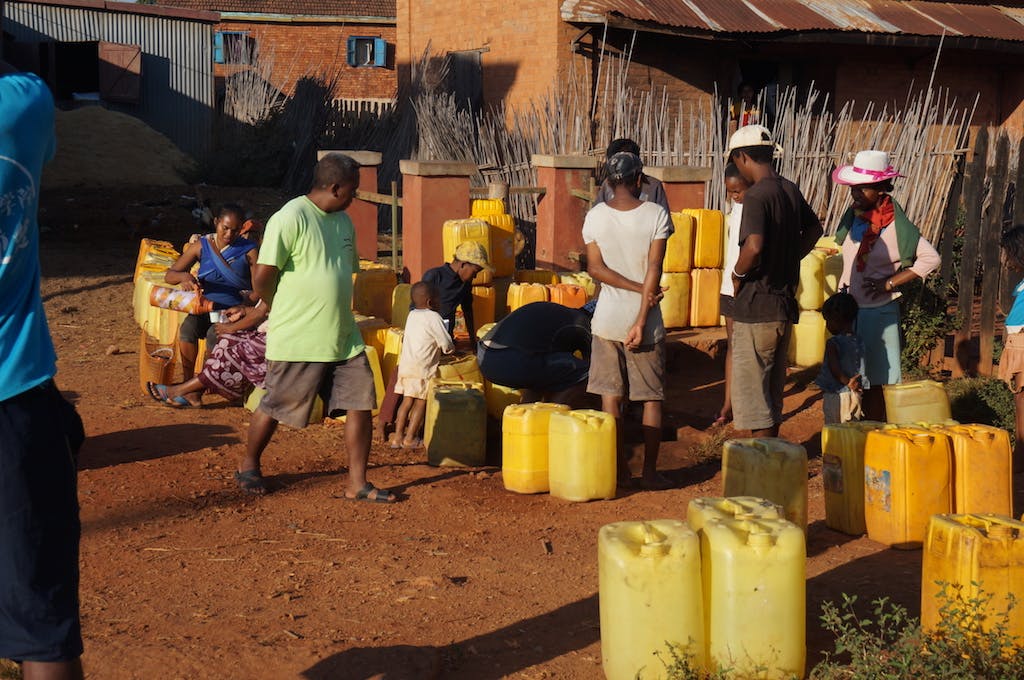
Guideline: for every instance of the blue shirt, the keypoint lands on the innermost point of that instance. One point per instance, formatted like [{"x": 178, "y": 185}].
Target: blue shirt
[
  {"x": 1016, "y": 315},
  {"x": 27, "y": 142},
  {"x": 850, "y": 350}
]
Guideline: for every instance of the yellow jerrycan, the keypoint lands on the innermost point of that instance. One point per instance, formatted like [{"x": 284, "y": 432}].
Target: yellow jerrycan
[
  {"x": 498, "y": 397},
  {"x": 842, "y": 474},
  {"x": 454, "y": 232},
  {"x": 401, "y": 299},
  {"x": 520, "y": 294},
  {"x": 502, "y": 255},
  {"x": 460, "y": 368},
  {"x": 581, "y": 279},
  {"x": 483, "y": 305},
  {"x": 675, "y": 306},
  {"x": 810, "y": 291},
  {"x": 833, "y": 273},
  {"x": 920, "y": 401},
  {"x": 679, "y": 247},
  {"x": 769, "y": 468},
  {"x": 392, "y": 351},
  {"x": 700, "y": 510},
  {"x": 907, "y": 479},
  {"x": 807, "y": 343},
  {"x": 753, "y": 573},
  {"x": 581, "y": 455},
  {"x": 705, "y": 292},
  {"x": 372, "y": 292},
  {"x": 456, "y": 429},
  {"x": 524, "y": 446},
  {"x": 709, "y": 237},
  {"x": 976, "y": 553},
  {"x": 370, "y": 328},
  {"x": 650, "y": 598},
  {"x": 485, "y": 207},
  {"x": 982, "y": 469},
  {"x": 541, "y": 276}
]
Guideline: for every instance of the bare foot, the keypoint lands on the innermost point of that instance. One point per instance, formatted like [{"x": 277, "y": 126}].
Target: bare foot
[{"x": 412, "y": 444}]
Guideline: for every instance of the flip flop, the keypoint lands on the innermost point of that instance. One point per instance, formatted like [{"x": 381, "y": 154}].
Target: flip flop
[
  {"x": 159, "y": 394},
  {"x": 416, "y": 445},
  {"x": 251, "y": 482},
  {"x": 382, "y": 495}
]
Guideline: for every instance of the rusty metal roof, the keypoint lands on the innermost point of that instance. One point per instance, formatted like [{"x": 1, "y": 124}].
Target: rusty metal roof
[{"x": 909, "y": 17}]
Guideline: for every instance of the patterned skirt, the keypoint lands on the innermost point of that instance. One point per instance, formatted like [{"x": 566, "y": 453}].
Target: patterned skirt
[{"x": 237, "y": 361}]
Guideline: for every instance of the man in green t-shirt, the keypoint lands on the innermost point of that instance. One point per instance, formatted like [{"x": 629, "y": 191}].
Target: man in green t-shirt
[{"x": 304, "y": 274}]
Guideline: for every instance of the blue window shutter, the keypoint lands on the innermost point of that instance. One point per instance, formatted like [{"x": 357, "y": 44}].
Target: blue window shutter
[
  {"x": 351, "y": 50},
  {"x": 380, "y": 52},
  {"x": 218, "y": 48}
]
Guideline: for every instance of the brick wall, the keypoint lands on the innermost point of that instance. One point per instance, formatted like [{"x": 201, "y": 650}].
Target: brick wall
[{"x": 299, "y": 49}]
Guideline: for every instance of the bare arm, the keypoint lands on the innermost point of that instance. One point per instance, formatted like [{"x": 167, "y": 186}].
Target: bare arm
[
  {"x": 264, "y": 283},
  {"x": 179, "y": 273},
  {"x": 651, "y": 287}
]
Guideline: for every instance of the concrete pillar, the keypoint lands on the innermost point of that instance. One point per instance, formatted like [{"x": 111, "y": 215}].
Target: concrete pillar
[
  {"x": 363, "y": 213},
  {"x": 685, "y": 185},
  {"x": 433, "y": 192},
  {"x": 559, "y": 213}
]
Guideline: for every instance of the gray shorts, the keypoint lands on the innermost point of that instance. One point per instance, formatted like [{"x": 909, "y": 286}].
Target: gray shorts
[
  {"x": 292, "y": 387},
  {"x": 618, "y": 372},
  {"x": 759, "y": 364}
]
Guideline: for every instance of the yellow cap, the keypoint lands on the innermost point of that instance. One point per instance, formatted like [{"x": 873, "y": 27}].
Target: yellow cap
[{"x": 473, "y": 253}]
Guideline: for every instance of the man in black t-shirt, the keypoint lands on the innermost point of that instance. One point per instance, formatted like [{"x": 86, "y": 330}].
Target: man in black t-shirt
[
  {"x": 534, "y": 349},
  {"x": 777, "y": 230}
]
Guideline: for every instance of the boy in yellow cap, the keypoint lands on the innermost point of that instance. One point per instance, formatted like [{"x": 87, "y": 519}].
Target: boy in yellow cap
[{"x": 453, "y": 282}]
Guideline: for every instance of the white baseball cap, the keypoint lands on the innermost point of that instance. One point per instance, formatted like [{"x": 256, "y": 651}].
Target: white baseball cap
[{"x": 752, "y": 135}]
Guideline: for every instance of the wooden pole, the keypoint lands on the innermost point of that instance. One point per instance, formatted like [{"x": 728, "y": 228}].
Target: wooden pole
[
  {"x": 973, "y": 187},
  {"x": 990, "y": 253},
  {"x": 949, "y": 230},
  {"x": 394, "y": 225}
]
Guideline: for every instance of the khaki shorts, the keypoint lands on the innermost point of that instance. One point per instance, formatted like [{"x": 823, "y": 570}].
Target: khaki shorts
[
  {"x": 759, "y": 365},
  {"x": 1011, "y": 362},
  {"x": 293, "y": 386},
  {"x": 412, "y": 387},
  {"x": 618, "y": 372}
]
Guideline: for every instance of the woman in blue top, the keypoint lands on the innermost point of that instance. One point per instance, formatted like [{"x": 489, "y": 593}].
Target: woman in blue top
[
  {"x": 225, "y": 262},
  {"x": 1011, "y": 363}
]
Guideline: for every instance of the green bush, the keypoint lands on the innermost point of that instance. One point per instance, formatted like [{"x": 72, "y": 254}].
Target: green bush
[
  {"x": 924, "y": 322},
  {"x": 969, "y": 642},
  {"x": 982, "y": 400}
]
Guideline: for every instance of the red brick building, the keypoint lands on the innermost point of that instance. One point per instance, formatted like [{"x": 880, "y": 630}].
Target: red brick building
[
  {"x": 853, "y": 51},
  {"x": 353, "y": 38}
]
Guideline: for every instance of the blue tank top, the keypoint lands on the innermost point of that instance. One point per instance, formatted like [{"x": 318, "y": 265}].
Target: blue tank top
[{"x": 222, "y": 281}]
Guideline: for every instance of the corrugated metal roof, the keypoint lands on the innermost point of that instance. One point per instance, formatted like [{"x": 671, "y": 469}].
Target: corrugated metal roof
[
  {"x": 134, "y": 8},
  {"x": 312, "y": 8},
  {"x": 910, "y": 17}
]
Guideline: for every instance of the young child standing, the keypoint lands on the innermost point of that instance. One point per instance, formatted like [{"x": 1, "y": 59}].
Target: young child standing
[
  {"x": 842, "y": 372},
  {"x": 1011, "y": 363},
  {"x": 735, "y": 188},
  {"x": 625, "y": 239},
  {"x": 425, "y": 340}
]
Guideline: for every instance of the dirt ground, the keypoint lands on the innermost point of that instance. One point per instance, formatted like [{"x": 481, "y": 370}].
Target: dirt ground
[{"x": 184, "y": 577}]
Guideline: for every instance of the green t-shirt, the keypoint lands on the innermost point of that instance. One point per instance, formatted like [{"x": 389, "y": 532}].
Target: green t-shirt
[{"x": 315, "y": 252}]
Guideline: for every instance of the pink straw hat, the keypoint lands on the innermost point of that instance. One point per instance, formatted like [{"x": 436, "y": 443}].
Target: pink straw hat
[{"x": 869, "y": 167}]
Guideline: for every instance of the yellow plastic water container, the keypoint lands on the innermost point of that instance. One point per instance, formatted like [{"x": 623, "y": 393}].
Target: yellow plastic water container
[
  {"x": 456, "y": 426},
  {"x": 372, "y": 292},
  {"x": 483, "y": 305},
  {"x": 159, "y": 323},
  {"x": 542, "y": 276},
  {"x": 498, "y": 397},
  {"x": 454, "y": 232},
  {"x": 369, "y": 329},
  {"x": 675, "y": 306},
  {"x": 650, "y": 597},
  {"x": 700, "y": 510},
  {"x": 914, "y": 402},
  {"x": 709, "y": 235},
  {"x": 401, "y": 299},
  {"x": 501, "y": 287},
  {"x": 754, "y": 597},
  {"x": 842, "y": 474},
  {"x": 460, "y": 368},
  {"x": 483, "y": 330},
  {"x": 679, "y": 248},
  {"x": 485, "y": 207},
  {"x": 810, "y": 291},
  {"x": 977, "y": 552},
  {"x": 769, "y": 468},
  {"x": 503, "y": 230},
  {"x": 581, "y": 279},
  {"x": 567, "y": 294},
  {"x": 807, "y": 342},
  {"x": 392, "y": 351},
  {"x": 705, "y": 291},
  {"x": 520, "y": 294},
  {"x": 833, "y": 273},
  {"x": 982, "y": 469},
  {"x": 907, "y": 479},
  {"x": 581, "y": 455},
  {"x": 524, "y": 446}
]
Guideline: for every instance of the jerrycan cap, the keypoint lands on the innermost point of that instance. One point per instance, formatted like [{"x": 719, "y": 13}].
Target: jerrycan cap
[{"x": 760, "y": 539}]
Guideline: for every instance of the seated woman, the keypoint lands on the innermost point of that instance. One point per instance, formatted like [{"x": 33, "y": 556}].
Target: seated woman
[
  {"x": 225, "y": 261},
  {"x": 237, "y": 361}
]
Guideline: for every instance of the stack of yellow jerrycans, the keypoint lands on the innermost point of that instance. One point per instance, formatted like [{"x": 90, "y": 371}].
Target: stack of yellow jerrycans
[
  {"x": 820, "y": 272},
  {"x": 726, "y": 590},
  {"x": 693, "y": 269},
  {"x": 491, "y": 226},
  {"x": 548, "y": 448}
]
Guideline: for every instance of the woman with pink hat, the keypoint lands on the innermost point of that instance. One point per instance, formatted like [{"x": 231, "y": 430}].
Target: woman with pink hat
[{"x": 882, "y": 251}]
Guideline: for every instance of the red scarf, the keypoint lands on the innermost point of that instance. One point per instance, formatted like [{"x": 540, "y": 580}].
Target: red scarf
[{"x": 877, "y": 218}]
